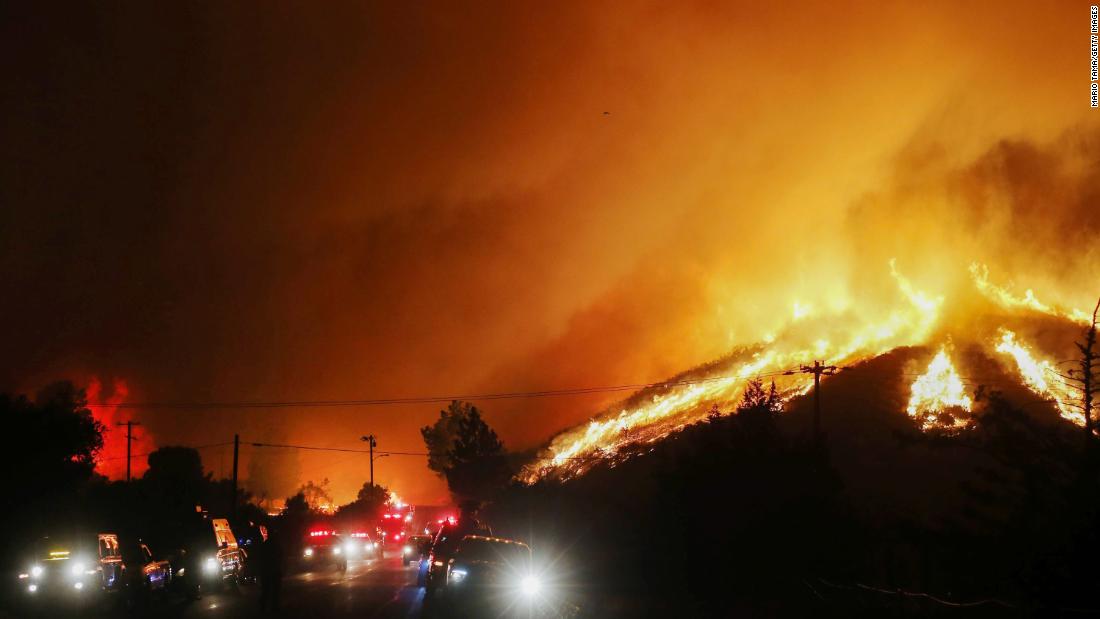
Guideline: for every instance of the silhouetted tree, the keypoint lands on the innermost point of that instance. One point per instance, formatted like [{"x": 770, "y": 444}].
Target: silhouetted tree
[
  {"x": 477, "y": 464},
  {"x": 1085, "y": 378},
  {"x": 296, "y": 517},
  {"x": 178, "y": 472},
  {"x": 373, "y": 494},
  {"x": 297, "y": 506},
  {"x": 61, "y": 441},
  {"x": 317, "y": 495},
  {"x": 439, "y": 437},
  {"x": 367, "y": 505},
  {"x": 758, "y": 398}
]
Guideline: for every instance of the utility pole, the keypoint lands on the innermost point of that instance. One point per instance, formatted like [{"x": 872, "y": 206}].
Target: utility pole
[
  {"x": 372, "y": 443},
  {"x": 818, "y": 369},
  {"x": 236, "y": 452},
  {"x": 129, "y": 442}
]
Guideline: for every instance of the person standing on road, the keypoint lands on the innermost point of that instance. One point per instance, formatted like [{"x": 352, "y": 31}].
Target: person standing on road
[{"x": 271, "y": 572}]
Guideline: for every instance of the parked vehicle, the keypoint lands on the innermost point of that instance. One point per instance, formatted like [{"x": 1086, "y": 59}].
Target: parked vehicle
[
  {"x": 491, "y": 576},
  {"x": 444, "y": 545},
  {"x": 142, "y": 574},
  {"x": 360, "y": 545},
  {"x": 323, "y": 548},
  {"x": 211, "y": 558},
  {"x": 84, "y": 565},
  {"x": 415, "y": 548}
]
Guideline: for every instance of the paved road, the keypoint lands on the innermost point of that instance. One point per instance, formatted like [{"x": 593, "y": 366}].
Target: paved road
[{"x": 383, "y": 588}]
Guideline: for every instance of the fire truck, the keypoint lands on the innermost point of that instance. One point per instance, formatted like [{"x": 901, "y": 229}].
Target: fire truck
[{"x": 394, "y": 525}]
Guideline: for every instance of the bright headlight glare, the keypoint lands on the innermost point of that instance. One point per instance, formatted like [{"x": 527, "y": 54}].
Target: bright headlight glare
[
  {"x": 78, "y": 568},
  {"x": 458, "y": 575},
  {"x": 36, "y": 571},
  {"x": 530, "y": 585},
  {"x": 308, "y": 552},
  {"x": 336, "y": 550},
  {"x": 211, "y": 564}
]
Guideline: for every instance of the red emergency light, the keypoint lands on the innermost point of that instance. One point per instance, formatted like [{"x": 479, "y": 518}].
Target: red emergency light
[{"x": 320, "y": 533}]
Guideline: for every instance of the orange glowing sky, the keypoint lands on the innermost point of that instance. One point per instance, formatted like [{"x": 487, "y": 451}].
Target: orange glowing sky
[{"x": 283, "y": 202}]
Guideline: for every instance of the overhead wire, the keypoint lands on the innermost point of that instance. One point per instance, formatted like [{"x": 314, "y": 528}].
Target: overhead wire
[{"x": 197, "y": 405}]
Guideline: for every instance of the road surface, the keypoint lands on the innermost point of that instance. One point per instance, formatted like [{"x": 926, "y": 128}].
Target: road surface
[{"x": 381, "y": 588}]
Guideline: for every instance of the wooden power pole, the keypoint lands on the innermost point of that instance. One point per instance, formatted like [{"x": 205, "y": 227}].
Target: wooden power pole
[
  {"x": 818, "y": 369},
  {"x": 236, "y": 453},
  {"x": 129, "y": 442},
  {"x": 372, "y": 443}
]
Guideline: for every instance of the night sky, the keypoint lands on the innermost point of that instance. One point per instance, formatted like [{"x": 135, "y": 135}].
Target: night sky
[{"x": 292, "y": 201}]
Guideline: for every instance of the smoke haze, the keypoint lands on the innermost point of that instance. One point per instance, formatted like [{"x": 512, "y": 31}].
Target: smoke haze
[{"x": 261, "y": 202}]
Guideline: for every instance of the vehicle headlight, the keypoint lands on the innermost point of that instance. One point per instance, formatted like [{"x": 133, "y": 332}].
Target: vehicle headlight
[
  {"x": 437, "y": 563},
  {"x": 77, "y": 569},
  {"x": 336, "y": 550},
  {"x": 211, "y": 564},
  {"x": 458, "y": 575},
  {"x": 350, "y": 548},
  {"x": 79, "y": 585},
  {"x": 530, "y": 585},
  {"x": 32, "y": 587},
  {"x": 308, "y": 552},
  {"x": 407, "y": 550},
  {"x": 36, "y": 571}
]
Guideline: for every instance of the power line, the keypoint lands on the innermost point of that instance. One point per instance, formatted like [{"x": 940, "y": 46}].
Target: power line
[
  {"x": 431, "y": 399},
  {"x": 150, "y": 452},
  {"x": 395, "y": 453},
  {"x": 341, "y": 449}
]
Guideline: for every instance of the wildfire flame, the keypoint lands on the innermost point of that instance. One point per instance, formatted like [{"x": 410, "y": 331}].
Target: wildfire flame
[
  {"x": 1003, "y": 296},
  {"x": 936, "y": 393},
  {"x": 778, "y": 358},
  {"x": 939, "y": 399},
  {"x": 1039, "y": 376},
  {"x": 111, "y": 462}
]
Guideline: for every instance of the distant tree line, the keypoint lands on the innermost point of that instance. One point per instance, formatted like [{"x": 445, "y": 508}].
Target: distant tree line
[{"x": 53, "y": 489}]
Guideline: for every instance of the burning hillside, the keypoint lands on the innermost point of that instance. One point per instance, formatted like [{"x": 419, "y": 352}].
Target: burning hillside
[{"x": 940, "y": 393}]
